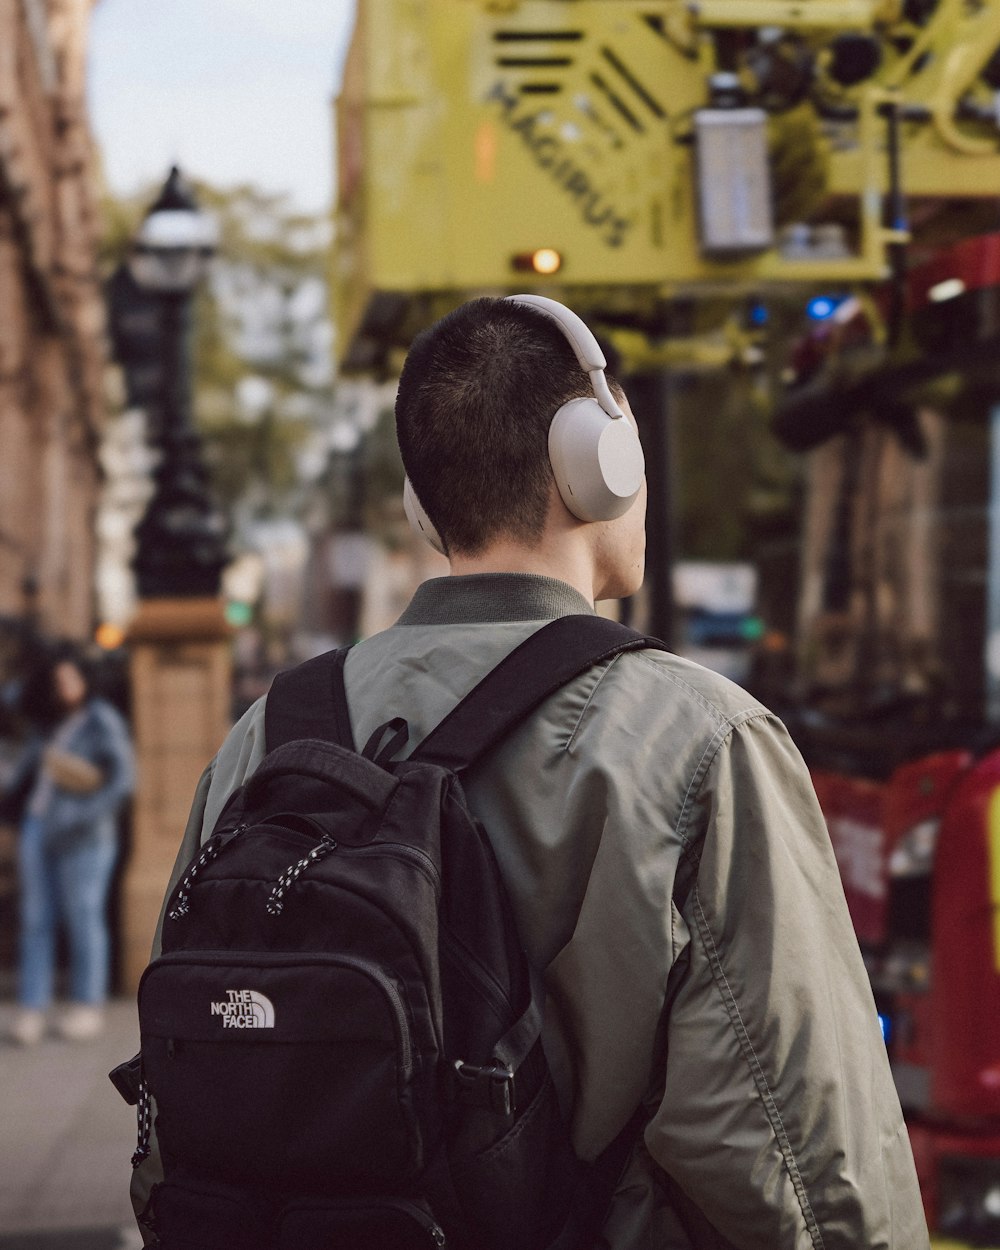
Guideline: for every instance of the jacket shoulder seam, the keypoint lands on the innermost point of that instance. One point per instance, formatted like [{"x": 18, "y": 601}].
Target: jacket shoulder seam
[
  {"x": 708, "y": 756},
  {"x": 725, "y": 724},
  {"x": 757, "y": 1074},
  {"x": 717, "y": 714}
]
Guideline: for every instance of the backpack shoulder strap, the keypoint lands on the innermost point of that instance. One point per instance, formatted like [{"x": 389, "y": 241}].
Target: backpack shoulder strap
[
  {"x": 524, "y": 679},
  {"x": 309, "y": 701}
]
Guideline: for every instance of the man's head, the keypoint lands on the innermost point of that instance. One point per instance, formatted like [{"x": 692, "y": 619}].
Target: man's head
[{"x": 476, "y": 399}]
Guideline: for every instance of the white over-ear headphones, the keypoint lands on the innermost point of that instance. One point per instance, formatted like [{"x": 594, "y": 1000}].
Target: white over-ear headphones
[
  {"x": 418, "y": 518},
  {"x": 596, "y": 456}
]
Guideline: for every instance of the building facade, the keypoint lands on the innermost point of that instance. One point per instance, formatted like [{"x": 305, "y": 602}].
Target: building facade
[{"x": 52, "y": 342}]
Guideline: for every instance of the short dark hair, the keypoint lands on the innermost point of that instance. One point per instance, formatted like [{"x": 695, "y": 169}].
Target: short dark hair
[{"x": 476, "y": 397}]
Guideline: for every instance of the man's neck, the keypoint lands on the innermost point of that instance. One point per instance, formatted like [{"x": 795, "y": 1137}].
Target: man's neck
[{"x": 566, "y": 563}]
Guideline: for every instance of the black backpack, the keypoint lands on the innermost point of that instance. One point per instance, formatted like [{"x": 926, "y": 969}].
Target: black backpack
[{"x": 341, "y": 1035}]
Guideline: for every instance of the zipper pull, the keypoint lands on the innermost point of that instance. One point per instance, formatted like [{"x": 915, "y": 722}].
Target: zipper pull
[
  {"x": 276, "y": 899},
  {"x": 144, "y": 1122},
  {"x": 211, "y": 849}
]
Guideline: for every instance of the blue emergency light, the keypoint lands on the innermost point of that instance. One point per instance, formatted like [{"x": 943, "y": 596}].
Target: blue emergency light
[
  {"x": 757, "y": 314},
  {"x": 822, "y": 307}
]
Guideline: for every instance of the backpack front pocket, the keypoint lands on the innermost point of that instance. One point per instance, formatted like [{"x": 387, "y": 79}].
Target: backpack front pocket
[{"x": 288, "y": 1070}]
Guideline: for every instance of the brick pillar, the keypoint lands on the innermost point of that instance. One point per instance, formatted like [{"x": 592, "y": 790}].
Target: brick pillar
[{"x": 181, "y": 691}]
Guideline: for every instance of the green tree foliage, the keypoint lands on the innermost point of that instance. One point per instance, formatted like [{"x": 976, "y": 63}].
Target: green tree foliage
[
  {"x": 384, "y": 474},
  {"x": 261, "y": 352},
  {"x": 736, "y": 483}
]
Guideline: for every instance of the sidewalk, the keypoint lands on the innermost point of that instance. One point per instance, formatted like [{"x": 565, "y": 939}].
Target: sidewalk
[{"x": 66, "y": 1138}]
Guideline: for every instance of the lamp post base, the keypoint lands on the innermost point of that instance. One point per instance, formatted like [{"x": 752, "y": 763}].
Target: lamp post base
[{"x": 181, "y": 677}]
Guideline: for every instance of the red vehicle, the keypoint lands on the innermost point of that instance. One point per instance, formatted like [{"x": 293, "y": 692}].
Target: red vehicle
[{"x": 899, "y": 663}]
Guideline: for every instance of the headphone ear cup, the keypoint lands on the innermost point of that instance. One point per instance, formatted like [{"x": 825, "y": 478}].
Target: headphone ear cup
[
  {"x": 597, "y": 460},
  {"x": 418, "y": 518}
]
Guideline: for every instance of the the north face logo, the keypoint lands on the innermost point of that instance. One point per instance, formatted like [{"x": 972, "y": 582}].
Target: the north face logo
[{"x": 245, "y": 1009}]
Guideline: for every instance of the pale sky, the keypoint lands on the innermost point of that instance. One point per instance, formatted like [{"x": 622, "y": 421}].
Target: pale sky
[{"x": 231, "y": 90}]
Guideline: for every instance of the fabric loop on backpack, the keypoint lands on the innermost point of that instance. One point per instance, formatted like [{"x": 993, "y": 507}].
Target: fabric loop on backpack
[
  {"x": 516, "y": 1044},
  {"x": 400, "y": 731}
]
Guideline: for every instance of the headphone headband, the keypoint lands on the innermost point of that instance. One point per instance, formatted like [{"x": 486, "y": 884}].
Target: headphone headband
[{"x": 585, "y": 347}]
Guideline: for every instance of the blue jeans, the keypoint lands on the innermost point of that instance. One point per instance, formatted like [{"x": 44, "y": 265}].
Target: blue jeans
[{"x": 68, "y": 886}]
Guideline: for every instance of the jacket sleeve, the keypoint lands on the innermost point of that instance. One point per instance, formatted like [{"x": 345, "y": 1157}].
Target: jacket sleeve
[
  {"x": 112, "y": 751},
  {"x": 116, "y": 755},
  {"x": 778, "y": 1117}
]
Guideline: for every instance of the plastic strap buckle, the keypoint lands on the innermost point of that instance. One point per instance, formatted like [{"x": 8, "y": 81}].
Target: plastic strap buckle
[
  {"x": 127, "y": 1079},
  {"x": 491, "y": 1087}
]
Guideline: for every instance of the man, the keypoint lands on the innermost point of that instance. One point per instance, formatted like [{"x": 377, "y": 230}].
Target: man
[{"x": 669, "y": 868}]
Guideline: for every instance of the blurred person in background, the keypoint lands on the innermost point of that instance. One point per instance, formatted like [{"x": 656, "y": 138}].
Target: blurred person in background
[{"x": 66, "y": 794}]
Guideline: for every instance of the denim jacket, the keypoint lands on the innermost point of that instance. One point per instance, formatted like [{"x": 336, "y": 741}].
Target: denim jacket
[{"x": 101, "y": 737}]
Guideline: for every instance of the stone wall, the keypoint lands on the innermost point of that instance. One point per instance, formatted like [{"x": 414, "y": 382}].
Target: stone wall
[{"x": 52, "y": 347}]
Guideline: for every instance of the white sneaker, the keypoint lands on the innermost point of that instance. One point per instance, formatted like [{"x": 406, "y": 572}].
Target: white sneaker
[
  {"x": 80, "y": 1022},
  {"x": 28, "y": 1027}
]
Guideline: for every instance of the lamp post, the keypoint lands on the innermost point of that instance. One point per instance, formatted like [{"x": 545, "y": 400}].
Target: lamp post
[
  {"x": 179, "y": 642},
  {"x": 181, "y": 540}
]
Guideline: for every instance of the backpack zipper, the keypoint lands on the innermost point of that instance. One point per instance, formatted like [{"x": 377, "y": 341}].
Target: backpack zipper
[
  {"x": 423, "y": 1218},
  {"x": 412, "y": 1209},
  {"x": 419, "y": 857},
  {"x": 276, "y": 899},
  {"x": 398, "y": 850}
]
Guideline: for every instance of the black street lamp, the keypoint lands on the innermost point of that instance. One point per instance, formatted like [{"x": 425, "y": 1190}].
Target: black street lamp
[{"x": 181, "y": 540}]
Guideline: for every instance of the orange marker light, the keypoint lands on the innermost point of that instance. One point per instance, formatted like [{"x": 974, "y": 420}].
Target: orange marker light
[
  {"x": 543, "y": 260},
  {"x": 546, "y": 260}
]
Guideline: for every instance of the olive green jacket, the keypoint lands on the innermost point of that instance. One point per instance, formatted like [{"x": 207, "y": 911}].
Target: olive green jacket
[{"x": 742, "y": 1018}]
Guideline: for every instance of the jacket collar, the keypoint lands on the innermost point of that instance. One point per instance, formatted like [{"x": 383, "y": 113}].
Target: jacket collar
[{"x": 488, "y": 598}]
